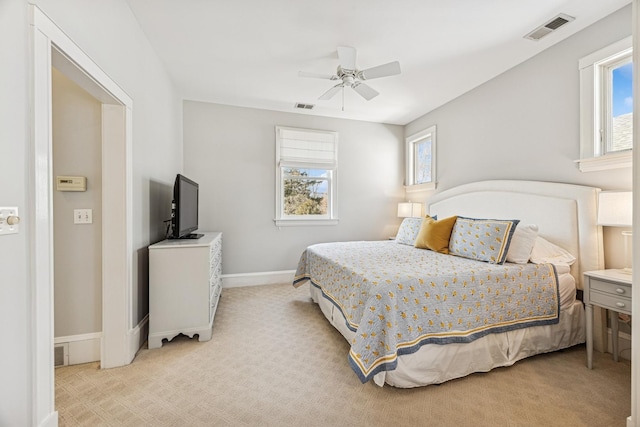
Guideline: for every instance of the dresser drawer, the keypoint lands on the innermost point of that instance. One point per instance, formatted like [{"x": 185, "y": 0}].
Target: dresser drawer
[
  {"x": 613, "y": 302},
  {"x": 611, "y": 288}
]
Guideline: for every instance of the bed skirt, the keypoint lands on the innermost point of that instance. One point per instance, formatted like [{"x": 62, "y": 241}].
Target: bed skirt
[{"x": 435, "y": 364}]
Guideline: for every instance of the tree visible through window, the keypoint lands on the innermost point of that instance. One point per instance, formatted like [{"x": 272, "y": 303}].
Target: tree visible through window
[
  {"x": 306, "y": 170},
  {"x": 305, "y": 191}
]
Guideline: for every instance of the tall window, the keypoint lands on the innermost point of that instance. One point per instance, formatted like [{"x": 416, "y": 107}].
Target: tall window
[
  {"x": 420, "y": 162},
  {"x": 606, "y": 108},
  {"x": 306, "y": 175}
]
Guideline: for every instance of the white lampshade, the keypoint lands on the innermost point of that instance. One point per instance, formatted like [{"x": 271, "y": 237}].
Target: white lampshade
[
  {"x": 409, "y": 209},
  {"x": 615, "y": 208}
]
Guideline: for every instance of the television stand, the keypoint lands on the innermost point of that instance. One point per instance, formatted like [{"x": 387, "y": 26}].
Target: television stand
[{"x": 185, "y": 283}]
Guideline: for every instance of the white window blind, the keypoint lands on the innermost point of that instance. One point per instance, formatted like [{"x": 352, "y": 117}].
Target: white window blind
[{"x": 307, "y": 148}]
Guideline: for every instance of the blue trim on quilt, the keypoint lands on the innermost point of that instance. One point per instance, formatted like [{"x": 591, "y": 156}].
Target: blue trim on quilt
[
  {"x": 390, "y": 366},
  {"x": 351, "y": 328}
]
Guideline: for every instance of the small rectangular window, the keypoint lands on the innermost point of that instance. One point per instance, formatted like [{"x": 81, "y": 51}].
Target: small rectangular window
[
  {"x": 420, "y": 162},
  {"x": 606, "y": 108},
  {"x": 306, "y": 177}
]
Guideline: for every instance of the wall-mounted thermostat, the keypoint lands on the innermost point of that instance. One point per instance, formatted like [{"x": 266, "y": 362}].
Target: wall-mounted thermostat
[{"x": 71, "y": 183}]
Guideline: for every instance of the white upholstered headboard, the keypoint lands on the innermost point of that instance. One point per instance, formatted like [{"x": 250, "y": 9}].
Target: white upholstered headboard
[{"x": 565, "y": 213}]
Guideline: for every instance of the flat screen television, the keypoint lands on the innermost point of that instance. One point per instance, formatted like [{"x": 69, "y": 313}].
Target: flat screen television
[{"x": 184, "y": 214}]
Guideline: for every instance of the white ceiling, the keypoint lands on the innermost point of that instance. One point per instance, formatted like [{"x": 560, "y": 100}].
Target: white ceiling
[{"x": 248, "y": 52}]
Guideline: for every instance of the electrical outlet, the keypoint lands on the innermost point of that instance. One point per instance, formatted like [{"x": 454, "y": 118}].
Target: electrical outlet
[
  {"x": 83, "y": 216},
  {"x": 9, "y": 221}
]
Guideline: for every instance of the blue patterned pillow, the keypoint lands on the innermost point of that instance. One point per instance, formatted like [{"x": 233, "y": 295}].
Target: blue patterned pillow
[
  {"x": 408, "y": 231},
  {"x": 482, "y": 239}
]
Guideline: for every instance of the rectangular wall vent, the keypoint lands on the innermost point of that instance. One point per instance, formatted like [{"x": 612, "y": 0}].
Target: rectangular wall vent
[
  {"x": 549, "y": 27},
  {"x": 61, "y": 355},
  {"x": 304, "y": 106}
]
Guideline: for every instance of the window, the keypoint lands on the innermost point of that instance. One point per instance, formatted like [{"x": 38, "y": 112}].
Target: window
[
  {"x": 606, "y": 108},
  {"x": 306, "y": 177},
  {"x": 421, "y": 160}
]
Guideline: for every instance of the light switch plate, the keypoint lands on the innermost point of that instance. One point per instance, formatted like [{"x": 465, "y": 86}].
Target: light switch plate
[
  {"x": 5, "y": 226},
  {"x": 83, "y": 216}
]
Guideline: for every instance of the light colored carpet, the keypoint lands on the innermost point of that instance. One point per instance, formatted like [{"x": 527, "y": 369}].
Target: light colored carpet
[{"x": 275, "y": 361}]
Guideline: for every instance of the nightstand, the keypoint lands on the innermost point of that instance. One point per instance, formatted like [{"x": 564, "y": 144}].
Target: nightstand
[{"x": 610, "y": 289}]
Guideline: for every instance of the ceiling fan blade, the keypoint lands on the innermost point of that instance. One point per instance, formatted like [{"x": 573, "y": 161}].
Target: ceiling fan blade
[
  {"x": 365, "y": 91},
  {"x": 347, "y": 57},
  {"x": 317, "y": 75},
  {"x": 390, "y": 69},
  {"x": 331, "y": 92}
]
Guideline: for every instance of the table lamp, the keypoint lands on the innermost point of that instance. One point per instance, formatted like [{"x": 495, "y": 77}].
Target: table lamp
[
  {"x": 409, "y": 210},
  {"x": 615, "y": 209}
]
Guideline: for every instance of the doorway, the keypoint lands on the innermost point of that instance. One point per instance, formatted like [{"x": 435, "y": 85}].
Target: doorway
[
  {"x": 77, "y": 218},
  {"x": 51, "y": 47}
]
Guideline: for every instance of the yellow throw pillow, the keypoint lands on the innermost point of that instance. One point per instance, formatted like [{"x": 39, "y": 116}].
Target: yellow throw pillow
[{"x": 435, "y": 235}]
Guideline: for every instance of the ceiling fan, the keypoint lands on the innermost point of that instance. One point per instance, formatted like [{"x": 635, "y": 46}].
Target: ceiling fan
[{"x": 350, "y": 76}]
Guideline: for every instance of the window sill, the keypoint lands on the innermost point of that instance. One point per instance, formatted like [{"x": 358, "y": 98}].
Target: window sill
[
  {"x": 420, "y": 187},
  {"x": 606, "y": 162},
  {"x": 304, "y": 222}
]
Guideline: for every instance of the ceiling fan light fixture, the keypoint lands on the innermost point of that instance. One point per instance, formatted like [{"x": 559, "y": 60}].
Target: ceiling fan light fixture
[
  {"x": 348, "y": 80},
  {"x": 351, "y": 77}
]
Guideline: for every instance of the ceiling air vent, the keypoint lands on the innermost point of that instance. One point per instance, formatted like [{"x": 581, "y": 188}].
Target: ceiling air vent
[
  {"x": 549, "y": 27},
  {"x": 304, "y": 106}
]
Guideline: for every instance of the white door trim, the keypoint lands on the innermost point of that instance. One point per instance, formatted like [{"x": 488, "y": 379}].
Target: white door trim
[{"x": 50, "y": 44}]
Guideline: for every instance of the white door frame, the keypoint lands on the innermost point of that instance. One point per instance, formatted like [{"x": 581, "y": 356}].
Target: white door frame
[
  {"x": 634, "y": 419},
  {"x": 51, "y": 46}
]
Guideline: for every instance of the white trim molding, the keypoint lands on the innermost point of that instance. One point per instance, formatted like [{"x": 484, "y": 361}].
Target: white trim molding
[
  {"x": 138, "y": 336},
  {"x": 606, "y": 162},
  {"x": 634, "y": 419},
  {"x": 257, "y": 279}
]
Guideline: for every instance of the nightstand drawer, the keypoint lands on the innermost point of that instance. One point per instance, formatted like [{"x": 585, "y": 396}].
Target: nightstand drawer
[
  {"x": 613, "y": 302},
  {"x": 611, "y": 288}
]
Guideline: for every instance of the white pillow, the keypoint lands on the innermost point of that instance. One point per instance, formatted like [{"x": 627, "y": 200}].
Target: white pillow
[
  {"x": 522, "y": 243},
  {"x": 546, "y": 252}
]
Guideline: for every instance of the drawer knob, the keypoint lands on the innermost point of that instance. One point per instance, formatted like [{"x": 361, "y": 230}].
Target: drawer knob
[
  {"x": 620, "y": 291},
  {"x": 620, "y": 304}
]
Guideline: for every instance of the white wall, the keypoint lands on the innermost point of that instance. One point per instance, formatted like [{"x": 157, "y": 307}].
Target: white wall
[
  {"x": 230, "y": 152},
  {"x": 15, "y": 314},
  {"x": 109, "y": 34},
  {"x": 77, "y": 126},
  {"x": 524, "y": 124}
]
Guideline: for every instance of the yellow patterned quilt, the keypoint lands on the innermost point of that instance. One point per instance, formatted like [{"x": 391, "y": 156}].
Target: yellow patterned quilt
[{"x": 397, "y": 298}]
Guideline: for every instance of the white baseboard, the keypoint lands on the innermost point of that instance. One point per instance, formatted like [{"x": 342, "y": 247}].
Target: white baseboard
[
  {"x": 138, "y": 336},
  {"x": 83, "y": 348},
  {"x": 256, "y": 279},
  {"x": 50, "y": 421}
]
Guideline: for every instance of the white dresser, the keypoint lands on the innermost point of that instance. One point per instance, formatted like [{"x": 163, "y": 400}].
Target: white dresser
[{"x": 185, "y": 283}]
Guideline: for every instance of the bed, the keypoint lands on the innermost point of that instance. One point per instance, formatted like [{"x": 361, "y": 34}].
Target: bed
[{"x": 415, "y": 317}]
